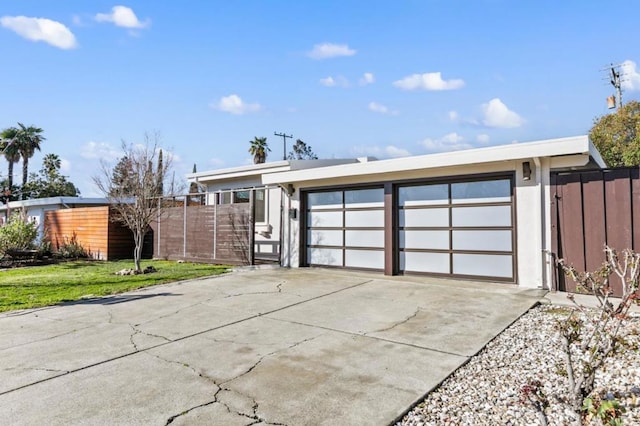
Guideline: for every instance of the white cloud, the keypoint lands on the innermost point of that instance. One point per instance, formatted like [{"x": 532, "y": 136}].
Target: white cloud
[
  {"x": 328, "y": 81},
  {"x": 233, "y": 104},
  {"x": 483, "y": 138},
  {"x": 65, "y": 165},
  {"x": 376, "y": 107},
  {"x": 630, "y": 76},
  {"x": 497, "y": 114},
  {"x": 449, "y": 142},
  {"x": 330, "y": 50},
  {"x": 366, "y": 79},
  {"x": 122, "y": 16},
  {"x": 453, "y": 116},
  {"x": 41, "y": 29},
  {"x": 428, "y": 81},
  {"x": 338, "y": 81},
  {"x": 389, "y": 151},
  {"x": 100, "y": 150}
]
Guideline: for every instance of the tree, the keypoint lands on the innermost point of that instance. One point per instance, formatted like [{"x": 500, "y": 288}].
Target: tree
[
  {"x": 259, "y": 149},
  {"x": 49, "y": 182},
  {"x": 120, "y": 176},
  {"x": 28, "y": 140},
  {"x": 617, "y": 136},
  {"x": 132, "y": 186},
  {"x": 11, "y": 151},
  {"x": 301, "y": 151}
]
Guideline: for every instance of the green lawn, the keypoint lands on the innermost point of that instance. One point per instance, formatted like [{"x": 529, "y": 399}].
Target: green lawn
[{"x": 36, "y": 286}]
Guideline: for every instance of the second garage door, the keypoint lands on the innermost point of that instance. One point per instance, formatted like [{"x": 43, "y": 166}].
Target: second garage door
[{"x": 457, "y": 228}]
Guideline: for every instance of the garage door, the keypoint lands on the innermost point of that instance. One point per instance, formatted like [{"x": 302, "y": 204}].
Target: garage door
[
  {"x": 345, "y": 228},
  {"x": 458, "y": 228}
]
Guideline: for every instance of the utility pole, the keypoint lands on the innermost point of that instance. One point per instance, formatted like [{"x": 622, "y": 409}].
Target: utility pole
[
  {"x": 284, "y": 138},
  {"x": 615, "y": 77}
]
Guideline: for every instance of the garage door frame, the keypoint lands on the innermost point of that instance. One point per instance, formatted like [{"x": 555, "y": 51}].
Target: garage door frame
[
  {"x": 450, "y": 251},
  {"x": 304, "y": 225},
  {"x": 391, "y": 222}
]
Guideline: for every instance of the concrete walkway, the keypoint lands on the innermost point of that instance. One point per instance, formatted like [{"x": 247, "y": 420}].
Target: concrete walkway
[{"x": 292, "y": 347}]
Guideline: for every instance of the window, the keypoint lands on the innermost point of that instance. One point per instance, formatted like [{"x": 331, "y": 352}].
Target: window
[
  {"x": 260, "y": 206},
  {"x": 244, "y": 197}
]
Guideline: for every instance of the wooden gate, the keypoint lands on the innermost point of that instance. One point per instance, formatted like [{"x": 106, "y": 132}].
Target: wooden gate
[{"x": 588, "y": 210}]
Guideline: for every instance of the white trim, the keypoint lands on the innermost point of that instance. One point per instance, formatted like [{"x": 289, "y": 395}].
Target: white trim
[{"x": 502, "y": 153}]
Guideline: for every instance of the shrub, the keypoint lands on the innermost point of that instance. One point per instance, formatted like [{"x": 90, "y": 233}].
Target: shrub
[
  {"x": 72, "y": 249},
  {"x": 18, "y": 234}
]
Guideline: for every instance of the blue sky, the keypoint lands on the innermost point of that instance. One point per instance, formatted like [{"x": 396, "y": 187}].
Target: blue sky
[{"x": 350, "y": 78}]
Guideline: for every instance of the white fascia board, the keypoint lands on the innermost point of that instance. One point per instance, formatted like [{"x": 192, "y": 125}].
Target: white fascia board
[
  {"x": 500, "y": 153},
  {"x": 238, "y": 172},
  {"x": 54, "y": 201},
  {"x": 595, "y": 155},
  {"x": 263, "y": 169}
]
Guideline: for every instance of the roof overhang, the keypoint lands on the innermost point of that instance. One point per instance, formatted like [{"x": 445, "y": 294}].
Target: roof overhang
[
  {"x": 258, "y": 170},
  {"x": 55, "y": 201},
  {"x": 572, "y": 146}
]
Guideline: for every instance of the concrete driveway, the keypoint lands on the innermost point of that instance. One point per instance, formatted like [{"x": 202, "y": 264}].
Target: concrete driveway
[{"x": 275, "y": 346}]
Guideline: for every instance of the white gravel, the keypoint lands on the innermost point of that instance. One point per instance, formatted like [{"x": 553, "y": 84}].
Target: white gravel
[{"x": 486, "y": 390}]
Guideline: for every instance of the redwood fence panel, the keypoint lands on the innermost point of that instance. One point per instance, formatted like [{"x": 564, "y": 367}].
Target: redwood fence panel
[
  {"x": 591, "y": 209},
  {"x": 93, "y": 228},
  {"x": 206, "y": 233}
]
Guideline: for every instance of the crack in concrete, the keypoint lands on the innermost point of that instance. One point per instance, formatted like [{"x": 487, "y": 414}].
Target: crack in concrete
[
  {"x": 404, "y": 321},
  {"x": 50, "y": 370},
  {"x": 278, "y": 290},
  {"x": 46, "y": 338}
]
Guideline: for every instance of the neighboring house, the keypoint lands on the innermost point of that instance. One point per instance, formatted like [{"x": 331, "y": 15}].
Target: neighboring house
[
  {"x": 35, "y": 209},
  {"x": 85, "y": 221}
]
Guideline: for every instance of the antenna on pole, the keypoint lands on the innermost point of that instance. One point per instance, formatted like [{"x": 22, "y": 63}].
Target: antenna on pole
[{"x": 284, "y": 138}]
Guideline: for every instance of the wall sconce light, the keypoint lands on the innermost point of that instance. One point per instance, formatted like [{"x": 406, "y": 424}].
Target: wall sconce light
[
  {"x": 526, "y": 170},
  {"x": 290, "y": 190}
]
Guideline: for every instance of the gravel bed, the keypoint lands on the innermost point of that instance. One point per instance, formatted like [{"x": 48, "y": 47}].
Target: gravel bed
[{"x": 486, "y": 390}]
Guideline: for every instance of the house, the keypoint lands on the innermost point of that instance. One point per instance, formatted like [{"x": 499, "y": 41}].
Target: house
[
  {"x": 87, "y": 221},
  {"x": 482, "y": 214},
  {"x": 35, "y": 209}
]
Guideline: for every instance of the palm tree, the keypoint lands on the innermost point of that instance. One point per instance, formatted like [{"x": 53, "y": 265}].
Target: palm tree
[
  {"x": 9, "y": 145},
  {"x": 259, "y": 149},
  {"x": 29, "y": 139}
]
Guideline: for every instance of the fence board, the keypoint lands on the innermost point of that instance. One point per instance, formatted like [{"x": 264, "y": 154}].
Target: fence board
[
  {"x": 594, "y": 208},
  {"x": 595, "y": 235}
]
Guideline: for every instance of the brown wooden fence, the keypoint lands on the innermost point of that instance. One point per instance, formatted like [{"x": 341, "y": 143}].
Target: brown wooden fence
[
  {"x": 212, "y": 233},
  {"x": 591, "y": 209},
  {"x": 92, "y": 228}
]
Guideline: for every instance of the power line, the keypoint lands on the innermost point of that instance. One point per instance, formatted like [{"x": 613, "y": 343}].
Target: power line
[{"x": 284, "y": 138}]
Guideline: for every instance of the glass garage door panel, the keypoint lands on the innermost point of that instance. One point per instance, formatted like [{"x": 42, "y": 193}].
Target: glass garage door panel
[
  {"x": 425, "y": 262},
  {"x": 487, "y": 265},
  {"x": 414, "y": 239},
  {"x": 487, "y": 191},
  {"x": 481, "y": 216},
  {"x": 316, "y": 237},
  {"x": 421, "y": 195},
  {"x": 324, "y": 200},
  {"x": 373, "y": 259},
  {"x": 320, "y": 219},
  {"x": 489, "y": 240},
  {"x": 424, "y": 217},
  {"x": 364, "y": 238},
  {"x": 324, "y": 256},
  {"x": 364, "y": 218},
  {"x": 364, "y": 198}
]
